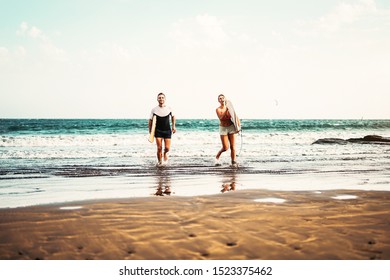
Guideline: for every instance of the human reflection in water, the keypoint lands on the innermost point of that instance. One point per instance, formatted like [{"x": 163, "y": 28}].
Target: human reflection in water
[
  {"x": 229, "y": 182},
  {"x": 227, "y": 187},
  {"x": 163, "y": 184},
  {"x": 163, "y": 191}
]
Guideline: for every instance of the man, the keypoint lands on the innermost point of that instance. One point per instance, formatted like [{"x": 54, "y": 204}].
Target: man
[{"x": 163, "y": 132}]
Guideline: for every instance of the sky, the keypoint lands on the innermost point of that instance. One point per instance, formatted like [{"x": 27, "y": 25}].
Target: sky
[{"x": 280, "y": 59}]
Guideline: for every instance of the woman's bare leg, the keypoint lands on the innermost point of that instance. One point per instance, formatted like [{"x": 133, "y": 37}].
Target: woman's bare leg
[
  {"x": 232, "y": 140},
  {"x": 225, "y": 145}
]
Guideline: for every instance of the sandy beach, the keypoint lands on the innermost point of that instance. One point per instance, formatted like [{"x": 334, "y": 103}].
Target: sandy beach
[{"x": 247, "y": 224}]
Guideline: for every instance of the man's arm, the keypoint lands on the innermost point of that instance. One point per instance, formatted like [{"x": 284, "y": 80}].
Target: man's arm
[
  {"x": 173, "y": 124},
  {"x": 150, "y": 125}
]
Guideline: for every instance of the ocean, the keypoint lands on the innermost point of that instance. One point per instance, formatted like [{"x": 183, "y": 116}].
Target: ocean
[{"x": 44, "y": 161}]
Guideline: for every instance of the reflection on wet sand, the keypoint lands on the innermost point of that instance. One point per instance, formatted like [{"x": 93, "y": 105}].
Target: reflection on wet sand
[
  {"x": 163, "y": 184},
  {"x": 227, "y": 187},
  {"x": 161, "y": 192},
  {"x": 229, "y": 183}
]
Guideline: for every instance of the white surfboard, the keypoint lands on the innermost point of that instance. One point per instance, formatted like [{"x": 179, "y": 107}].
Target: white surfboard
[
  {"x": 153, "y": 129},
  {"x": 234, "y": 118}
]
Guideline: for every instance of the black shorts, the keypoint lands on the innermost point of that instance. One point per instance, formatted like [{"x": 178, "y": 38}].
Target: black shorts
[{"x": 166, "y": 134}]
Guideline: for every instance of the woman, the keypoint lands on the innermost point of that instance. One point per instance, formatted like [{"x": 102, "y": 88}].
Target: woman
[{"x": 227, "y": 131}]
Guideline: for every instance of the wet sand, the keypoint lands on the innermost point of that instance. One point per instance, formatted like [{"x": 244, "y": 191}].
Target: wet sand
[{"x": 232, "y": 225}]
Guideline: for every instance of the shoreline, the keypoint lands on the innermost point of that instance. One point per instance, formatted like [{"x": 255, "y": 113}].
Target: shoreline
[
  {"x": 187, "y": 181},
  {"x": 235, "y": 225}
]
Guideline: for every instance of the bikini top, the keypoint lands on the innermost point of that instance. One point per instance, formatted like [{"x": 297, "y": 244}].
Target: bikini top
[{"x": 226, "y": 116}]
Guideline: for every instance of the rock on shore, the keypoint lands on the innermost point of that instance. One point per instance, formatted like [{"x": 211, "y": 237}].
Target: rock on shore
[{"x": 369, "y": 139}]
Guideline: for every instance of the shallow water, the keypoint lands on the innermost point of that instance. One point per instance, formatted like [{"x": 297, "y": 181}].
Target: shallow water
[{"x": 49, "y": 161}]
